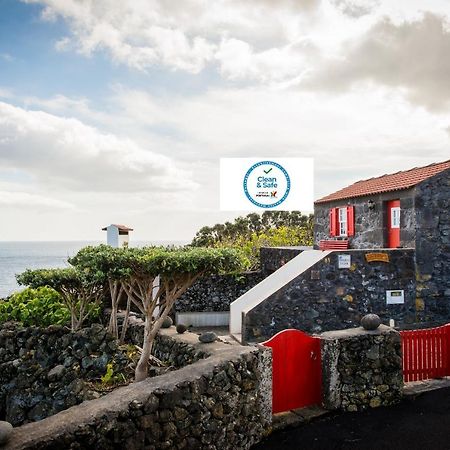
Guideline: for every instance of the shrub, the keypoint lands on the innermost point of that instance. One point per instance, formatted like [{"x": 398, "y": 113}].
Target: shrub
[{"x": 40, "y": 307}]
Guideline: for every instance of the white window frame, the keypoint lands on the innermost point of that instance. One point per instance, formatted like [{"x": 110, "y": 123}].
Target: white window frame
[
  {"x": 395, "y": 217},
  {"x": 342, "y": 222}
]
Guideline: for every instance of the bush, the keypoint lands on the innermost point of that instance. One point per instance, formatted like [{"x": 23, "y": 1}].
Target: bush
[{"x": 40, "y": 307}]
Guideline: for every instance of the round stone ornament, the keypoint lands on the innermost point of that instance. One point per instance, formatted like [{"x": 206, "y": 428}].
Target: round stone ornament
[
  {"x": 370, "y": 322},
  {"x": 181, "y": 328},
  {"x": 168, "y": 322},
  {"x": 5, "y": 431}
]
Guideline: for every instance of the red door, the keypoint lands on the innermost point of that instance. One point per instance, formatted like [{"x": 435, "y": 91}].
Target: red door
[
  {"x": 393, "y": 223},
  {"x": 296, "y": 370}
]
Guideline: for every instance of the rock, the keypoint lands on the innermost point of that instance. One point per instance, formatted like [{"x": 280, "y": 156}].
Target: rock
[
  {"x": 208, "y": 337},
  {"x": 370, "y": 322},
  {"x": 5, "y": 431},
  {"x": 168, "y": 322},
  {"x": 56, "y": 373},
  {"x": 181, "y": 328}
]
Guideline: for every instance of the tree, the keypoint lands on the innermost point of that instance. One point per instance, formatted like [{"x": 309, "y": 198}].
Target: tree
[
  {"x": 134, "y": 270},
  {"x": 81, "y": 293},
  {"x": 250, "y": 233},
  {"x": 223, "y": 234},
  {"x": 106, "y": 263}
]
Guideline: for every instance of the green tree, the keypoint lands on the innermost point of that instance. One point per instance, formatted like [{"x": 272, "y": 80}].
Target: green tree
[
  {"x": 250, "y": 233},
  {"x": 135, "y": 269},
  {"x": 80, "y": 292}
]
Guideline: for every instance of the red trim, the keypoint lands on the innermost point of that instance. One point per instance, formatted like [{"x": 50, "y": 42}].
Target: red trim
[
  {"x": 350, "y": 220},
  {"x": 333, "y": 222}
]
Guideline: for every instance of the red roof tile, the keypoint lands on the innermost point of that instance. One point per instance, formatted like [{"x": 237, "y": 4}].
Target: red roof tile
[
  {"x": 387, "y": 183},
  {"x": 120, "y": 227}
]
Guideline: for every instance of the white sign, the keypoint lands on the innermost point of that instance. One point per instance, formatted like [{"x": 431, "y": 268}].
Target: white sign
[
  {"x": 269, "y": 183},
  {"x": 395, "y": 297},
  {"x": 344, "y": 261}
]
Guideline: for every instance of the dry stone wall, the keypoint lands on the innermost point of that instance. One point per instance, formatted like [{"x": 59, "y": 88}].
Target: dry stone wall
[
  {"x": 221, "y": 402},
  {"x": 361, "y": 369},
  {"x": 44, "y": 371}
]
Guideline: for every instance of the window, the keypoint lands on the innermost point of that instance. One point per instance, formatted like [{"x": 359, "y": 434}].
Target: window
[
  {"x": 342, "y": 217},
  {"x": 395, "y": 217},
  {"x": 342, "y": 221}
]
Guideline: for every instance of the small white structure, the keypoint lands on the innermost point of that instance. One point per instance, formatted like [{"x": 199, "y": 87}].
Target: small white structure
[{"x": 117, "y": 235}]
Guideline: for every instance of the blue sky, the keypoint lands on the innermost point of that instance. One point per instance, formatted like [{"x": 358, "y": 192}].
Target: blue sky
[{"x": 119, "y": 111}]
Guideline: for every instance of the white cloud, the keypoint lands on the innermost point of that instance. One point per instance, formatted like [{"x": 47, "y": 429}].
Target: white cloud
[
  {"x": 21, "y": 200},
  {"x": 358, "y": 134},
  {"x": 356, "y": 8},
  {"x": 411, "y": 57},
  {"x": 65, "y": 153}
]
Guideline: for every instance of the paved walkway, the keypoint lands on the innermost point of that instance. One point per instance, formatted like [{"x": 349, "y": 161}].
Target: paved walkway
[{"x": 419, "y": 422}]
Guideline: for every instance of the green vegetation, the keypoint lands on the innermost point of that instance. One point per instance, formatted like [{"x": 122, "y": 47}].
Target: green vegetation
[
  {"x": 79, "y": 291},
  {"x": 39, "y": 307},
  {"x": 132, "y": 272},
  {"x": 250, "y": 233}
]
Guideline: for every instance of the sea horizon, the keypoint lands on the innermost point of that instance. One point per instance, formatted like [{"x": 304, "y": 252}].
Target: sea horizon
[{"x": 18, "y": 256}]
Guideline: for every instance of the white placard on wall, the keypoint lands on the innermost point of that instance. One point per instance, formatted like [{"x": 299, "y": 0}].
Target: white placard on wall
[
  {"x": 395, "y": 297},
  {"x": 344, "y": 261}
]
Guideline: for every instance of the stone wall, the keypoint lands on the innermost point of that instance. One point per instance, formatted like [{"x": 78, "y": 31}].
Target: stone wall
[
  {"x": 176, "y": 352},
  {"x": 44, "y": 371},
  {"x": 370, "y": 224},
  {"x": 272, "y": 258},
  {"x": 361, "y": 369},
  {"x": 433, "y": 248},
  {"x": 328, "y": 298},
  {"x": 221, "y": 402},
  {"x": 216, "y": 292}
]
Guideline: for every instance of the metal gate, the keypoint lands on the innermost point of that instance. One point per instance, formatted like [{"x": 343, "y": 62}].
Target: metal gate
[
  {"x": 426, "y": 353},
  {"x": 296, "y": 370}
]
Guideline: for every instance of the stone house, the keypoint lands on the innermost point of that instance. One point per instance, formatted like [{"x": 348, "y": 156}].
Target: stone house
[{"x": 407, "y": 209}]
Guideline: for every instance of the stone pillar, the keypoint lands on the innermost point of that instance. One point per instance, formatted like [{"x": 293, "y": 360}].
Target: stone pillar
[{"x": 361, "y": 369}]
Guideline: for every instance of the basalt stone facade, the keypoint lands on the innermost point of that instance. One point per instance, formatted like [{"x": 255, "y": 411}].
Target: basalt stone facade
[
  {"x": 370, "y": 223},
  {"x": 432, "y": 205},
  {"x": 216, "y": 292},
  {"x": 221, "y": 402},
  {"x": 424, "y": 226},
  {"x": 326, "y": 297},
  {"x": 361, "y": 369},
  {"x": 44, "y": 371}
]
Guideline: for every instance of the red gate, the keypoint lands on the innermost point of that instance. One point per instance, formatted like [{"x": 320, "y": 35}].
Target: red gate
[
  {"x": 296, "y": 370},
  {"x": 426, "y": 353}
]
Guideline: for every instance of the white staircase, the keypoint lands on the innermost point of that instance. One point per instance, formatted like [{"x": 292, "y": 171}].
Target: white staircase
[{"x": 270, "y": 285}]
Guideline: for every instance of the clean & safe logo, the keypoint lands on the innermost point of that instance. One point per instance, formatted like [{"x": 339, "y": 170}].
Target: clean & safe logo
[{"x": 267, "y": 184}]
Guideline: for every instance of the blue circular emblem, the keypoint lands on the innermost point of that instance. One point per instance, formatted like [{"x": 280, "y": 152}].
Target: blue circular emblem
[{"x": 267, "y": 184}]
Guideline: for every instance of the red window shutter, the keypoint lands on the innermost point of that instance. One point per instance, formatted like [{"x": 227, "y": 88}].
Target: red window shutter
[
  {"x": 333, "y": 222},
  {"x": 350, "y": 220}
]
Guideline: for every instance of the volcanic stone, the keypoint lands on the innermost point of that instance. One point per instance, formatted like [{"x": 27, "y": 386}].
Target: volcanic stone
[
  {"x": 5, "y": 432},
  {"x": 207, "y": 337}
]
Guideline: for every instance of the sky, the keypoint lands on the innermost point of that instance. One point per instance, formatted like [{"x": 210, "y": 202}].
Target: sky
[{"x": 118, "y": 112}]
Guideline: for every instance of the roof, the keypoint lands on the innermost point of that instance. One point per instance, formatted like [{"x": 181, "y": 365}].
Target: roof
[
  {"x": 120, "y": 227},
  {"x": 387, "y": 183}
]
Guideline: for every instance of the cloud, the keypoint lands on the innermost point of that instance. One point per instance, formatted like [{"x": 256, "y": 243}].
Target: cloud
[
  {"x": 189, "y": 35},
  {"x": 411, "y": 57},
  {"x": 64, "y": 153},
  {"x": 356, "y": 8},
  {"x": 6, "y": 57},
  {"x": 21, "y": 200}
]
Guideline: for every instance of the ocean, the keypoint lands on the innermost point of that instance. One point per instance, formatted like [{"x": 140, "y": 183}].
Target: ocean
[{"x": 15, "y": 257}]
